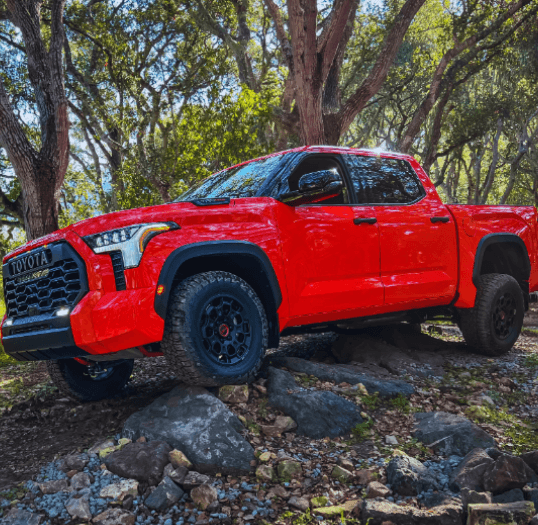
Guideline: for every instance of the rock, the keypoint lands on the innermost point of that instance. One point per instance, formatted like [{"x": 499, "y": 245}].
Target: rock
[
  {"x": 338, "y": 510},
  {"x": 122, "y": 442},
  {"x": 470, "y": 472},
  {"x": 140, "y": 461},
  {"x": 341, "y": 474},
  {"x": 196, "y": 422},
  {"x": 177, "y": 475},
  {"x": 265, "y": 457},
  {"x": 80, "y": 481},
  {"x": 377, "y": 490},
  {"x": 409, "y": 477},
  {"x": 345, "y": 463},
  {"x": 531, "y": 459},
  {"x": 279, "y": 491},
  {"x": 531, "y": 494},
  {"x": 299, "y": 503},
  {"x": 74, "y": 462},
  {"x": 509, "y": 497},
  {"x": 317, "y": 414},
  {"x": 319, "y": 501},
  {"x": 114, "y": 516},
  {"x": 436, "y": 499},
  {"x": 203, "y": 496},
  {"x": 104, "y": 452},
  {"x": 101, "y": 446},
  {"x": 364, "y": 476},
  {"x": 78, "y": 506},
  {"x": 118, "y": 491},
  {"x": 506, "y": 473},
  {"x": 52, "y": 487},
  {"x": 469, "y": 496},
  {"x": 534, "y": 520},
  {"x": 265, "y": 474},
  {"x": 288, "y": 470},
  {"x": 164, "y": 496},
  {"x": 376, "y": 512},
  {"x": 339, "y": 374},
  {"x": 21, "y": 517},
  {"x": 234, "y": 394},
  {"x": 519, "y": 512},
  {"x": 71, "y": 473},
  {"x": 450, "y": 434},
  {"x": 193, "y": 480},
  {"x": 281, "y": 425},
  {"x": 391, "y": 440},
  {"x": 178, "y": 459}
]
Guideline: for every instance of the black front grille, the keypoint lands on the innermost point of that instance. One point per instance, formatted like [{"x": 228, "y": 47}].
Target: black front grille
[
  {"x": 117, "y": 266},
  {"x": 61, "y": 283}
]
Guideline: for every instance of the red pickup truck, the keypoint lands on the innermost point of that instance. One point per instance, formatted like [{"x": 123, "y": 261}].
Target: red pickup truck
[{"x": 315, "y": 238}]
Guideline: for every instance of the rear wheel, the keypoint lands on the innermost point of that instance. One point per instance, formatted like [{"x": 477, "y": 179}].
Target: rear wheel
[
  {"x": 493, "y": 326},
  {"x": 216, "y": 330},
  {"x": 90, "y": 383}
]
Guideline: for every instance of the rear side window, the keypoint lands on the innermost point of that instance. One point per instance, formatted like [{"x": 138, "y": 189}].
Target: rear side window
[{"x": 383, "y": 181}]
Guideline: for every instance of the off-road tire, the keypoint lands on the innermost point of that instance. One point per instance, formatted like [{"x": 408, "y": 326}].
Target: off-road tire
[
  {"x": 71, "y": 379},
  {"x": 478, "y": 324},
  {"x": 183, "y": 341}
]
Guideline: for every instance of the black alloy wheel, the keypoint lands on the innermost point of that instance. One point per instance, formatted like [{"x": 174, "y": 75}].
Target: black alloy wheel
[{"x": 504, "y": 315}]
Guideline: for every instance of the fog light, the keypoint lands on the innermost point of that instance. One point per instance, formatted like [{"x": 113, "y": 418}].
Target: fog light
[
  {"x": 62, "y": 312},
  {"x": 8, "y": 322},
  {"x": 160, "y": 289}
]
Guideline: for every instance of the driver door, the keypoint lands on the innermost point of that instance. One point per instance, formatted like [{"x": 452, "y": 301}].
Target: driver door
[{"x": 332, "y": 257}]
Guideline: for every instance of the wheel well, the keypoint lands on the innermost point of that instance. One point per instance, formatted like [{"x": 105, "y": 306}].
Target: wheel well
[
  {"x": 507, "y": 258},
  {"x": 250, "y": 269}
]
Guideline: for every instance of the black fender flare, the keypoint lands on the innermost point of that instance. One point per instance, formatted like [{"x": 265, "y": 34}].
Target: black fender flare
[
  {"x": 206, "y": 249},
  {"x": 496, "y": 238}
]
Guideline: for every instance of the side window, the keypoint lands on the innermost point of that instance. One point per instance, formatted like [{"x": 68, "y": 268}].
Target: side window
[
  {"x": 310, "y": 165},
  {"x": 383, "y": 181}
]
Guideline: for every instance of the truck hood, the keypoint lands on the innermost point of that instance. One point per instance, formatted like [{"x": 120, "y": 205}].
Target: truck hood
[{"x": 120, "y": 219}]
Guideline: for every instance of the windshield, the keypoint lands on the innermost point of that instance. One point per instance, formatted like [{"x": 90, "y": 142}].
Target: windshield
[{"x": 241, "y": 181}]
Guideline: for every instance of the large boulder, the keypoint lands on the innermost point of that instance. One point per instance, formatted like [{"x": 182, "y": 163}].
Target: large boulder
[
  {"x": 317, "y": 414},
  {"x": 450, "y": 434},
  {"x": 377, "y": 512},
  {"x": 339, "y": 374},
  {"x": 470, "y": 472},
  {"x": 200, "y": 425},
  {"x": 506, "y": 473},
  {"x": 409, "y": 477},
  {"x": 140, "y": 461},
  {"x": 509, "y": 497},
  {"x": 531, "y": 494},
  {"x": 531, "y": 458}
]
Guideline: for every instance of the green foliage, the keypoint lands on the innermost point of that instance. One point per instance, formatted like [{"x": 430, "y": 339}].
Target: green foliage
[
  {"x": 531, "y": 361},
  {"x": 401, "y": 404},
  {"x": 362, "y": 430},
  {"x": 371, "y": 402}
]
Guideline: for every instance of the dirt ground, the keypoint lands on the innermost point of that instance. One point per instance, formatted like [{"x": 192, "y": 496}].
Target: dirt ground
[{"x": 37, "y": 425}]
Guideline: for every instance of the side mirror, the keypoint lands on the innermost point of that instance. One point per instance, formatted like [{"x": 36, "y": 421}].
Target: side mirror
[{"x": 314, "y": 187}]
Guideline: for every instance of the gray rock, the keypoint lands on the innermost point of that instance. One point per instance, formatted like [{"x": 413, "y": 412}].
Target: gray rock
[
  {"x": 338, "y": 374},
  {"x": 436, "y": 499},
  {"x": 177, "y": 475},
  {"x": 471, "y": 496},
  {"x": 470, "y": 472},
  {"x": 194, "y": 479},
  {"x": 140, "y": 461},
  {"x": 534, "y": 520},
  {"x": 164, "y": 496},
  {"x": 509, "y": 496},
  {"x": 80, "y": 481},
  {"x": 74, "y": 462},
  {"x": 52, "y": 487},
  {"x": 409, "y": 477},
  {"x": 115, "y": 516},
  {"x": 531, "y": 459},
  {"x": 21, "y": 517},
  {"x": 508, "y": 472},
  {"x": 450, "y": 434},
  {"x": 200, "y": 425},
  {"x": 531, "y": 494},
  {"x": 317, "y": 414},
  {"x": 376, "y": 512},
  {"x": 78, "y": 506}
]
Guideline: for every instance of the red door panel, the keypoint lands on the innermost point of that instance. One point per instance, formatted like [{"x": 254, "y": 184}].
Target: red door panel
[{"x": 332, "y": 264}]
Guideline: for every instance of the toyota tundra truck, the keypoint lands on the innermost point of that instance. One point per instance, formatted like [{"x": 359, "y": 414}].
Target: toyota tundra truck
[{"x": 310, "y": 239}]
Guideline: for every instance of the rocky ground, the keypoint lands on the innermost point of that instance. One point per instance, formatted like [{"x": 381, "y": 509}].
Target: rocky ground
[{"x": 389, "y": 426}]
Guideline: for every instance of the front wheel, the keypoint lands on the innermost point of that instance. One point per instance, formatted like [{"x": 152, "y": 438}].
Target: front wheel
[
  {"x": 90, "y": 382},
  {"x": 216, "y": 330},
  {"x": 493, "y": 326}
]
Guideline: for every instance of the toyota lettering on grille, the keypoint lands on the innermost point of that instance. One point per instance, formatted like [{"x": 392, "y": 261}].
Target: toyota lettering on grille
[{"x": 28, "y": 263}]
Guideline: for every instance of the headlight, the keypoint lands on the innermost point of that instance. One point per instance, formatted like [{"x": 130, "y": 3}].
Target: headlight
[{"x": 131, "y": 240}]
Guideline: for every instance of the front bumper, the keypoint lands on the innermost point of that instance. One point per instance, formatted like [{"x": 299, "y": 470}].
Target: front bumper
[{"x": 102, "y": 320}]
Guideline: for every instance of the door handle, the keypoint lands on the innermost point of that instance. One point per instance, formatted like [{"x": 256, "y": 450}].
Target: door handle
[
  {"x": 439, "y": 219},
  {"x": 367, "y": 220}
]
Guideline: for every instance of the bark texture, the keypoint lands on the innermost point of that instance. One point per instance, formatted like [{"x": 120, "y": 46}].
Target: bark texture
[{"x": 40, "y": 172}]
